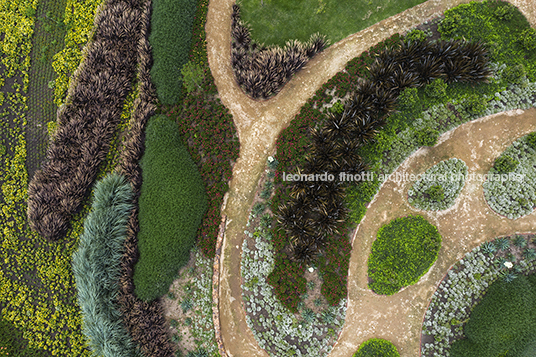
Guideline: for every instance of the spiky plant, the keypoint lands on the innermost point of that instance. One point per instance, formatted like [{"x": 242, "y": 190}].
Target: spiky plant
[
  {"x": 502, "y": 243},
  {"x": 489, "y": 248},
  {"x": 529, "y": 254},
  {"x": 520, "y": 241},
  {"x": 304, "y": 252},
  {"x": 308, "y": 315},
  {"x": 429, "y": 68},
  {"x": 316, "y": 44}
]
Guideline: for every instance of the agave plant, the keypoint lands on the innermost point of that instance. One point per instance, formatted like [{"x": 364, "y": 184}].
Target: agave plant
[
  {"x": 489, "y": 248},
  {"x": 502, "y": 243},
  {"x": 520, "y": 241},
  {"x": 529, "y": 254}
]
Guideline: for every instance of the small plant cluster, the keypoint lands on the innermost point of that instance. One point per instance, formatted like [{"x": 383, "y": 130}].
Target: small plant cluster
[
  {"x": 376, "y": 347},
  {"x": 193, "y": 289},
  {"x": 173, "y": 191},
  {"x": 86, "y": 122},
  {"x": 262, "y": 71},
  {"x": 511, "y": 186},
  {"x": 467, "y": 282},
  {"x": 97, "y": 267},
  {"x": 13, "y": 344},
  {"x": 300, "y": 331},
  {"x": 440, "y": 186},
  {"x": 404, "y": 250},
  {"x": 314, "y": 211},
  {"x": 170, "y": 38}
]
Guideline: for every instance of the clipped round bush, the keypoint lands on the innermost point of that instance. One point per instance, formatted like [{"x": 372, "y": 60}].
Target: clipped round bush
[
  {"x": 402, "y": 253},
  {"x": 377, "y": 347},
  {"x": 510, "y": 188},
  {"x": 502, "y": 324},
  {"x": 172, "y": 203},
  {"x": 439, "y": 186}
]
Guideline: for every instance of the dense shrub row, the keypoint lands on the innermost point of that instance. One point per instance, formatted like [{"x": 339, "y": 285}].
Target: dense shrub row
[
  {"x": 314, "y": 211},
  {"x": 262, "y": 71},
  {"x": 503, "y": 323},
  {"x": 510, "y": 188},
  {"x": 171, "y": 205},
  {"x": 86, "y": 122},
  {"x": 403, "y": 251},
  {"x": 144, "y": 320},
  {"x": 208, "y": 130},
  {"x": 97, "y": 267},
  {"x": 439, "y": 186},
  {"x": 377, "y": 347},
  {"x": 171, "y": 36}
]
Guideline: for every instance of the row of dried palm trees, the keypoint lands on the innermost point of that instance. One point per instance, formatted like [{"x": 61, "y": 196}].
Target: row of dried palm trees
[
  {"x": 316, "y": 209},
  {"x": 87, "y": 121},
  {"x": 262, "y": 71}
]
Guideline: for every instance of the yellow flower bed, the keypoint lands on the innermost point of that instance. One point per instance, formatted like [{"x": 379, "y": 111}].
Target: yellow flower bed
[{"x": 79, "y": 16}]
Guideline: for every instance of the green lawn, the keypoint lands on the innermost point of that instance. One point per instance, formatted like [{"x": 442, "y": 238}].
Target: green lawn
[{"x": 277, "y": 21}]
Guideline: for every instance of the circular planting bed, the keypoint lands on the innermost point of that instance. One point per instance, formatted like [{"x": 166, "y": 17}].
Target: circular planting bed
[
  {"x": 439, "y": 187},
  {"x": 510, "y": 189},
  {"x": 466, "y": 283},
  {"x": 402, "y": 253}
]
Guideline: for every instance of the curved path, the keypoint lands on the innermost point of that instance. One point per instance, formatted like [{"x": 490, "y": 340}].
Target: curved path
[{"x": 258, "y": 125}]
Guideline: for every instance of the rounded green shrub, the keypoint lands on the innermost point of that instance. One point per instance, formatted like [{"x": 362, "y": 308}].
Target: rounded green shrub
[
  {"x": 402, "y": 253},
  {"x": 408, "y": 99},
  {"x": 514, "y": 74},
  {"x": 416, "y": 35},
  {"x": 436, "y": 89},
  {"x": 528, "y": 39},
  {"x": 427, "y": 137},
  {"x": 502, "y": 323},
  {"x": 474, "y": 104},
  {"x": 172, "y": 203},
  {"x": 505, "y": 164},
  {"x": 377, "y": 347}
]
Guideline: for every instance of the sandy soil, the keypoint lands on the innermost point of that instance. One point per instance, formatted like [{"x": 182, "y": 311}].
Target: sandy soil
[{"x": 258, "y": 125}]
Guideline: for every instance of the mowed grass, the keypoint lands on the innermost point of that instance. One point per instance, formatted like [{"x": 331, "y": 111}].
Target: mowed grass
[{"x": 277, "y": 21}]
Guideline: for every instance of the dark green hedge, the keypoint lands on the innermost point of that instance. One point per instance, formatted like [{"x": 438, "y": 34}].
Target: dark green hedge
[
  {"x": 403, "y": 251},
  {"x": 377, "y": 347},
  {"x": 172, "y": 203},
  {"x": 503, "y": 323},
  {"x": 171, "y": 36}
]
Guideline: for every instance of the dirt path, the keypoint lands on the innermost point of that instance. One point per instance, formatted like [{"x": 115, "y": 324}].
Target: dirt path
[
  {"x": 466, "y": 225},
  {"x": 259, "y": 123}
]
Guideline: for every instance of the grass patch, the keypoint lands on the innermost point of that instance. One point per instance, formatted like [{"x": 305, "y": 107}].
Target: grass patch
[
  {"x": 402, "y": 253},
  {"x": 274, "y": 22},
  {"x": 172, "y": 203},
  {"x": 171, "y": 35}
]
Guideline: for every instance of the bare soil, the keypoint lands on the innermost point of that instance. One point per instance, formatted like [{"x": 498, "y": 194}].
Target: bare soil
[{"x": 258, "y": 125}]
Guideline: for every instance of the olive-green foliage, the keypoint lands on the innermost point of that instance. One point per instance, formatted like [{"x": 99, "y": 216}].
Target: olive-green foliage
[
  {"x": 509, "y": 38},
  {"x": 514, "y": 74},
  {"x": 97, "y": 267},
  {"x": 531, "y": 140},
  {"x": 473, "y": 104},
  {"x": 505, "y": 164},
  {"x": 427, "y": 136},
  {"x": 377, "y": 347},
  {"x": 192, "y": 76},
  {"x": 12, "y": 342},
  {"x": 408, "y": 99},
  {"x": 171, "y": 35},
  {"x": 172, "y": 203},
  {"x": 503, "y": 323},
  {"x": 403, "y": 251},
  {"x": 436, "y": 193},
  {"x": 415, "y": 35}
]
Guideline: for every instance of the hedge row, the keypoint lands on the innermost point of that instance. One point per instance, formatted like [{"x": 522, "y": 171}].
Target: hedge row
[
  {"x": 171, "y": 35},
  {"x": 97, "y": 268},
  {"x": 87, "y": 122},
  {"x": 172, "y": 203},
  {"x": 145, "y": 321}
]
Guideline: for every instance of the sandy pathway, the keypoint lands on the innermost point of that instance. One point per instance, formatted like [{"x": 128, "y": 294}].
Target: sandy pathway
[{"x": 259, "y": 123}]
